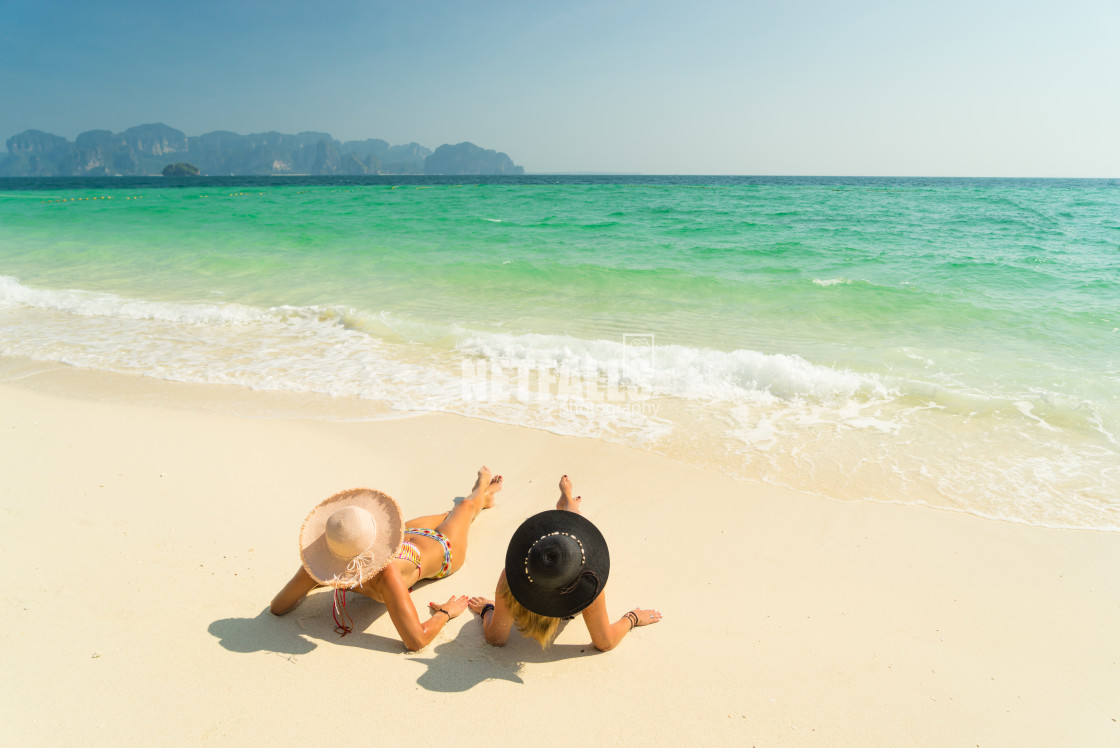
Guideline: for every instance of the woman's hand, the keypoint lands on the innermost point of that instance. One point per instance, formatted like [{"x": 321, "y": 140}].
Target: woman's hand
[
  {"x": 454, "y": 606},
  {"x": 476, "y": 604},
  {"x": 646, "y": 617}
]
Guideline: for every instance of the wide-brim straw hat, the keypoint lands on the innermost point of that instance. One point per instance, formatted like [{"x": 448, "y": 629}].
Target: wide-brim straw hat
[
  {"x": 557, "y": 563},
  {"x": 349, "y": 537}
]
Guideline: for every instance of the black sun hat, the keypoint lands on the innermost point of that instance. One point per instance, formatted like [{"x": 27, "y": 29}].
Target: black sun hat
[{"x": 557, "y": 563}]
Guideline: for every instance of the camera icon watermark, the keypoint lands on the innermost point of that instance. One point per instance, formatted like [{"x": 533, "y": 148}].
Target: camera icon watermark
[{"x": 638, "y": 352}]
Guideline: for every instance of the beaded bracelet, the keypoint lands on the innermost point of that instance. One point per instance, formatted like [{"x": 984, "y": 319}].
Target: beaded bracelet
[{"x": 441, "y": 610}]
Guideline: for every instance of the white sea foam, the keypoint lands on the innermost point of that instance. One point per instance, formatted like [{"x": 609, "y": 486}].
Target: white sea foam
[
  {"x": 680, "y": 371},
  {"x": 338, "y": 350},
  {"x": 773, "y": 417},
  {"x": 99, "y": 304}
]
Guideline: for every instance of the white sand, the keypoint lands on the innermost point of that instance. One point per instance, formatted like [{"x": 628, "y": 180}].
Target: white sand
[{"x": 143, "y": 544}]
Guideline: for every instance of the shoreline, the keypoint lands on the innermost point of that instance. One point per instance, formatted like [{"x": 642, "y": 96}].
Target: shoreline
[
  {"x": 71, "y": 382},
  {"x": 148, "y": 540}
]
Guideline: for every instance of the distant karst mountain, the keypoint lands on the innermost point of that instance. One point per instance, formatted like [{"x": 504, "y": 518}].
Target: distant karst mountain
[
  {"x": 468, "y": 158},
  {"x": 147, "y": 149}
]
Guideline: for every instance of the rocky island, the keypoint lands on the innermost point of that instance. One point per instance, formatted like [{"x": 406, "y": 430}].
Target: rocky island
[
  {"x": 180, "y": 170},
  {"x": 147, "y": 149}
]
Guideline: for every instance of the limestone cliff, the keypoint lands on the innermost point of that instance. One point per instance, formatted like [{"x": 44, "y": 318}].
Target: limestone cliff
[{"x": 146, "y": 149}]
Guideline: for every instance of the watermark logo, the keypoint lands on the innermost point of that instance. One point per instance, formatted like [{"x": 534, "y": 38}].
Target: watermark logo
[
  {"x": 637, "y": 356},
  {"x": 588, "y": 383}
]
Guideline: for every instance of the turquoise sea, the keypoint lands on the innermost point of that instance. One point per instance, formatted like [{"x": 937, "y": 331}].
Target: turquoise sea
[{"x": 952, "y": 342}]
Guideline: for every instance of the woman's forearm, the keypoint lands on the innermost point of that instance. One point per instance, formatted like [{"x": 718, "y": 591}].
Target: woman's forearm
[
  {"x": 421, "y": 636},
  {"x": 434, "y": 625},
  {"x": 496, "y": 623},
  {"x": 615, "y": 634},
  {"x": 293, "y": 592}
]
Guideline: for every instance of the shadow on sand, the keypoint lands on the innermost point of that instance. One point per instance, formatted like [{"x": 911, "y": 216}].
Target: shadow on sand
[
  {"x": 453, "y": 666},
  {"x": 462, "y": 663},
  {"x": 295, "y": 633}
]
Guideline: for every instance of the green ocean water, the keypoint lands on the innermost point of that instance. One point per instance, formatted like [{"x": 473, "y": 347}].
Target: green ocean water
[{"x": 949, "y": 342}]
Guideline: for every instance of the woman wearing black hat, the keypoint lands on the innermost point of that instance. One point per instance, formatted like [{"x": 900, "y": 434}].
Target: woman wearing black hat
[{"x": 556, "y": 566}]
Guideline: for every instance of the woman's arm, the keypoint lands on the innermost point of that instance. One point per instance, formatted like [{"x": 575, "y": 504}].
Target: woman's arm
[
  {"x": 293, "y": 592},
  {"x": 414, "y": 634},
  {"x": 606, "y": 635},
  {"x": 496, "y": 620}
]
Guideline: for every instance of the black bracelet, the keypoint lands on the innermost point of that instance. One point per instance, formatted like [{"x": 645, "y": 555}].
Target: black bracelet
[
  {"x": 441, "y": 610},
  {"x": 486, "y": 608},
  {"x": 633, "y": 618}
]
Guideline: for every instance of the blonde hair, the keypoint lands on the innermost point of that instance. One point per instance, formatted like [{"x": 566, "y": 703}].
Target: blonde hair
[{"x": 532, "y": 625}]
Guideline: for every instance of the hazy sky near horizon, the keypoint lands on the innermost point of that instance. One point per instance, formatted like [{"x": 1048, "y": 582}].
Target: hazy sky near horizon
[{"x": 948, "y": 88}]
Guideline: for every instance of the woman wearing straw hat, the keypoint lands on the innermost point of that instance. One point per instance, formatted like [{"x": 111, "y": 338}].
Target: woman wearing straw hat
[
  {"x": 556, "y": 566},
  {"x": 357, "y": 540}
]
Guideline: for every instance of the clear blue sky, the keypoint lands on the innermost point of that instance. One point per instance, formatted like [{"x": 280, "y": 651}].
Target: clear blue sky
[{"x": 941, "y": 88}]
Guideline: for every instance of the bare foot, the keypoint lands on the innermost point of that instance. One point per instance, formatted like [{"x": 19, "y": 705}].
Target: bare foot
[
  {"x": 482, "y": 472},
  {"x": 485, "y": 487},
  {"x": 493, "y": 488},
  {"x": 566, "y": 502}
]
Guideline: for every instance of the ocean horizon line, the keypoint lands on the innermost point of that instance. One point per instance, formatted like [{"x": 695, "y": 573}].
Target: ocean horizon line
[{"x": 156, "y": 180}]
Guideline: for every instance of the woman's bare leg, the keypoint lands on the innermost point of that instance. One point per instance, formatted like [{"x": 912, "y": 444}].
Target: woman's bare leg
[
  {"x": 431, "y": 521},
  {"x": 566, "y": 500},
  {"x": 458, "y": 523},
  {"x": 454, "y": 524},
  {"x": 294, "y": 591}
]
